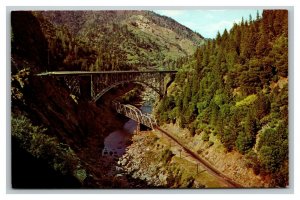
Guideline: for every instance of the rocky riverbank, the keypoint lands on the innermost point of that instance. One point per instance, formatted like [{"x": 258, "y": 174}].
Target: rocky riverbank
[
  {"x": 161, "y": 163},
  {"x": 155, "y": 159}
]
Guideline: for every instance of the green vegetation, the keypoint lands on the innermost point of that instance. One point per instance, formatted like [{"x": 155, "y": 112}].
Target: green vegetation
[
  {"x": 247, "y": 101},
  {"x": 232, "y": 86},
  {"x": 34, "y": 140},
  {"x": 132, "y": 95},
  {"x": 205, "y": 137},
  {"x": 119, "y": 40}
]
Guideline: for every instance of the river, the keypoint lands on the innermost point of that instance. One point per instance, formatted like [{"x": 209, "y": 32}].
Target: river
[{"x": 116, "y": 142}]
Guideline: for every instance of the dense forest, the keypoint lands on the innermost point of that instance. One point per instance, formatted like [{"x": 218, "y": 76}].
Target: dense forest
[{"x": 236, "y": 87}]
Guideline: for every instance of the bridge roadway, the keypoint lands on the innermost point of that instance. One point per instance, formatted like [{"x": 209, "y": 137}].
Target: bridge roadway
[
  {"x": 149, "y": 121},
  {"x": 93, "y": 85},
  {"x": 88, "y": 73}
]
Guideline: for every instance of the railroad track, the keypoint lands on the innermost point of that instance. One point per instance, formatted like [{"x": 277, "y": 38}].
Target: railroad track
[{"x": 203, "y": 162}]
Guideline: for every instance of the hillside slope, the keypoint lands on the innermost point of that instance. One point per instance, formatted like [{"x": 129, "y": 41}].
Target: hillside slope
[
  {"x": 128, "y": 39},
  {"x": 236, "y": 88}
]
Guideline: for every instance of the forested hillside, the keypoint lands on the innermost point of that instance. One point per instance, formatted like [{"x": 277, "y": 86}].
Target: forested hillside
[
  {"x": 46, "y": 123},
  {"x": 125, "y": 39},
  {"x": 236, "y": 87}
]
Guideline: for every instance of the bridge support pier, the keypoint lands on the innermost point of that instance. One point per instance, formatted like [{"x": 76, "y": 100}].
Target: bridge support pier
[
  {"x": 138, "y": 127},
  {"x": 92, "y": 85},
  {"x": 85, "y": 88}
]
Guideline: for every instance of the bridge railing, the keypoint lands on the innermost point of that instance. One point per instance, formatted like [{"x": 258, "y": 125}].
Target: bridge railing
[{"x": 135, "y": 114}]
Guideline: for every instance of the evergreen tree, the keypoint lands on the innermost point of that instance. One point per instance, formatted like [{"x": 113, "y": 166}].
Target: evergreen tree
[{"x": 232, "y": 86}]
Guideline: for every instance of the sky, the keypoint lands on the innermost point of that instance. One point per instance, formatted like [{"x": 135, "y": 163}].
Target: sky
[{"x": 209, "y": 22}]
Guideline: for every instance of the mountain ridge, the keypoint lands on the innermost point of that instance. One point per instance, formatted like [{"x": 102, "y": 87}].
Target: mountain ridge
[{"x": 127, "y": 39}]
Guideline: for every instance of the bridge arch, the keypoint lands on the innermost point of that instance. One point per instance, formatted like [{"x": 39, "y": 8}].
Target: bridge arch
[
  {"x": 136, "y": 114},
  {"x": 145, "y": 84},
  {"x": 101, "y": 82}
]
